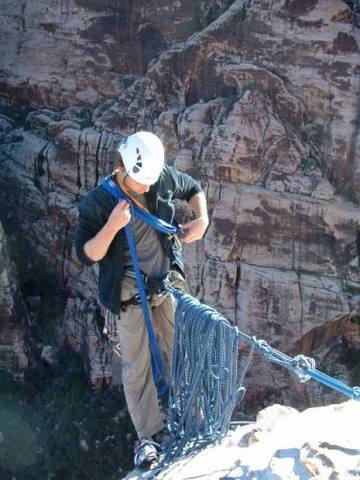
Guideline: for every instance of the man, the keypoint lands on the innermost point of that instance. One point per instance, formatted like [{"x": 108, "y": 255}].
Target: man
[{"x": 143, "y": 176}]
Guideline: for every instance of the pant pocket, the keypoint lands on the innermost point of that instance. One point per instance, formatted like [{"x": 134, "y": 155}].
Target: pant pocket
[{"x": 128, "y": 289}]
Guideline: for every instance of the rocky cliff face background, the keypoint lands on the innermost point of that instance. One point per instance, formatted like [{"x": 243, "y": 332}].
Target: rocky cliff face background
[
  {"x": 256, "y": 99},
  {"x": 14, "y": 326}
]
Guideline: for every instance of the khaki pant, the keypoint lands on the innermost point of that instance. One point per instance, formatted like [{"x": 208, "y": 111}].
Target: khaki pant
[{"x": 133, "y": 344}]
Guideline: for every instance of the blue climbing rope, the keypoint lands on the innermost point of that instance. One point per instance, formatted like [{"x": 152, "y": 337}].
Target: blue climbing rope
[
  {"x": 157, "y": 366},
  {"x": 210, "y": 360},
  {"x": 303, "y": 367},
  {"x": 207, "y": 377},
  {"x": 147, "y": 217}
]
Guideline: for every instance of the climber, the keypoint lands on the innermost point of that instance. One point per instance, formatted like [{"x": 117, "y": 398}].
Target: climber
[{"x": 151, "y": 185}]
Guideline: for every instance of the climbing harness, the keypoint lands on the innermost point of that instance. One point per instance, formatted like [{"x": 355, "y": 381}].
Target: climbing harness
[
  {"x": 157, "y": 366},
  {"x": 153, "y": 286}
]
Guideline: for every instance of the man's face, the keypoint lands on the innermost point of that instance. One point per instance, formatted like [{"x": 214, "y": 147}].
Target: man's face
[{"x": 136, "y": 187}]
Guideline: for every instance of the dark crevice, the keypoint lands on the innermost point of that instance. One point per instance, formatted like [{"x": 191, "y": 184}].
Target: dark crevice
[
  {"x": 47, "y": 164},
  {"x": 39, "y": 162},
  {"x": 97, "y": 155},
  {"x": 66, "y": 252},
  {"x": 78, "y": 180},
  {"x": 23, "y": 21},
  {"x": 237, "y": 287}
]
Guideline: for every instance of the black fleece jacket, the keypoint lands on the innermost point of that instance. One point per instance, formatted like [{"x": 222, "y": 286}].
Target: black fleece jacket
[{"x": 94, "y": 210}]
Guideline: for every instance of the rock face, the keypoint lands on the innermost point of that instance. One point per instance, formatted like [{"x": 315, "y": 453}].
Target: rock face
[
  {"x": 80, "y": 52},
  {"x": 13, "y": 316},
  {"x": 317, "y": 443},
  {"x": 259, "y": 104}
]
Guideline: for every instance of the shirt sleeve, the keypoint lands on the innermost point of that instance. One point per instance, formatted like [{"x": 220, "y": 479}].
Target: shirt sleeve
[
  {"x": 185, "y": 186},
  {"x": 90, "y": 222}
]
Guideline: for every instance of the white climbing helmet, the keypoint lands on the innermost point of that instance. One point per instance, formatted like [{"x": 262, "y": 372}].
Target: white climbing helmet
[{"x": 143, "y": 156}]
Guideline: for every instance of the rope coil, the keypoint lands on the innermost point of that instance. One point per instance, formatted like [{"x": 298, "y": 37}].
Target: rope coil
[{"x": 208, "y": 374}]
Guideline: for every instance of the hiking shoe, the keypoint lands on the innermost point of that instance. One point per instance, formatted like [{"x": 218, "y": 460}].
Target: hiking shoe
[{"x": 146, "y": 453}]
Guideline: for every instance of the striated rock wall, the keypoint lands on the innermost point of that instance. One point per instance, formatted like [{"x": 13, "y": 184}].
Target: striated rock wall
[
  {"x": 56, "y": 54},
  {"x": 260, "y": 104}
]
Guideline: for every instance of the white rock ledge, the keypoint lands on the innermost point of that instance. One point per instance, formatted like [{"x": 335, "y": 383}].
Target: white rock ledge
[{"x": 319, "y": 443}]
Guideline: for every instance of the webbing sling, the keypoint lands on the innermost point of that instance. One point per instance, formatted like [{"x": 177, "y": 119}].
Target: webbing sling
[{"x": 157, "y": 366}]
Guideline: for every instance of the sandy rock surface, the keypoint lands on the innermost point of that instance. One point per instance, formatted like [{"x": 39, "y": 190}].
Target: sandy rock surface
[{"x": 284, "y": 444}]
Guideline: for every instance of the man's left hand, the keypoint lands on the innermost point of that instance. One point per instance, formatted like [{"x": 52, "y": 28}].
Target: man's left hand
[{"x": 193, "y": 230}]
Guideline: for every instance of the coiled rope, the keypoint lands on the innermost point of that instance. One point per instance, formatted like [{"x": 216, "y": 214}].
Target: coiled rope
[{"x": 208, "y": 374}]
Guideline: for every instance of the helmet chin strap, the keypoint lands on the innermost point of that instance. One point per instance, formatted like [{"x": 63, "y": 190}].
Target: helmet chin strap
[{"x": 121, "y": 175}]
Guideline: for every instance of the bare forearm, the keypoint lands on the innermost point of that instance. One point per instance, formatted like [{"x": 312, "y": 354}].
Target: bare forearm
[
  {"x": 97, "y": 247},
  {"x": 198, "y": 205},
  {"x": 195, "y": 229}
]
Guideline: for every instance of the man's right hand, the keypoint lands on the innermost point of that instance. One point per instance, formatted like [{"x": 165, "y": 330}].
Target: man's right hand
[
  {"x": 119, "y": 217},
  {"x": 96, "y": 247}
]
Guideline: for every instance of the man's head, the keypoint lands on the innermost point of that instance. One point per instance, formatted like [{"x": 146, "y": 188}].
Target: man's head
[{"x": 143, "y": 158}]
